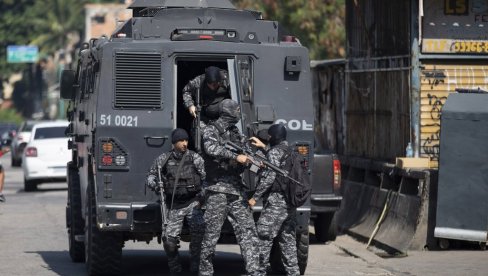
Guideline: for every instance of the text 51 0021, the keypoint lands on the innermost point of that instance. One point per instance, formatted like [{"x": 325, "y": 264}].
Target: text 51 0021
[{"x": 118, "y": 120}]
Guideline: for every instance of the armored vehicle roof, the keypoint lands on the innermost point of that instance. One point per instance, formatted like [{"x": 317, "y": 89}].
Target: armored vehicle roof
[
  {"x": 184, "y": 20},
  {"x": 149, "y": 8},
  {"x": 223, "y": 4}
]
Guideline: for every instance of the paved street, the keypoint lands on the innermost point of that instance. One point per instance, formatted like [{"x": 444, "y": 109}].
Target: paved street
[{"x": 33, "y": 241}]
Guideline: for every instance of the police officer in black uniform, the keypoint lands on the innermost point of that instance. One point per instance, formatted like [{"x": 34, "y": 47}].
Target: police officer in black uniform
[
  {"x": 213, "y": 87},
  {"x": 278, "y": 218},
  {"x": 225, "y": 194},
  {"x": 182, "y": 171}
]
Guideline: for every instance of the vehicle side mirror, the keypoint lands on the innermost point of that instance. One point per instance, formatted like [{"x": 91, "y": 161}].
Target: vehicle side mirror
[{"x": 67, "y": 84}]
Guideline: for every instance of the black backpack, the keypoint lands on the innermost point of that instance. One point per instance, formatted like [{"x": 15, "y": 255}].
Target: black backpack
[{"x": 296, "y": 193}]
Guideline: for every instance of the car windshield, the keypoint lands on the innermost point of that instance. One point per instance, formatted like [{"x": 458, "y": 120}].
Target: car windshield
[
  {"x": 50, "y": 132},
  {"x": 27, "y": 127}
]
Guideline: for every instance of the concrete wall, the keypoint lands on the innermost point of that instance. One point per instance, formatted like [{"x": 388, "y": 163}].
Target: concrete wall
[{"x": 392, "y": 208}]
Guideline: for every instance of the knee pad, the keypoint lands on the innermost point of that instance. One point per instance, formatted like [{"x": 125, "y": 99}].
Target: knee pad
[{"x": 171, "y": 245}]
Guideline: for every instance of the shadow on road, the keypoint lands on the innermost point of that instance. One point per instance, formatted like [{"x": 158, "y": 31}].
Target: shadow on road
[
  {"x": 60, "y": 263},
  {"x": 41, "y": 190},
  {"x": 142, "y": 263}
]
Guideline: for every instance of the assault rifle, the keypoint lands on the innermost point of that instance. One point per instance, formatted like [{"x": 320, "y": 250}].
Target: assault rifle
[
  {"x": 258, "y": 160},
  {"x": 163, "y": 200},
  {"x": 196, "y": 124}
]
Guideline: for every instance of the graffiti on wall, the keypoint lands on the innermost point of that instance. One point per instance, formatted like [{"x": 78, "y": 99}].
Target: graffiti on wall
[
  {"x": 437, "y": 82},
  {"x": 430, "y": 145}
]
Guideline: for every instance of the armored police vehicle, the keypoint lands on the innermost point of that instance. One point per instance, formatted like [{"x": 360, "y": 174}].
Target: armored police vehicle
[{"x": 126, "y": 97}]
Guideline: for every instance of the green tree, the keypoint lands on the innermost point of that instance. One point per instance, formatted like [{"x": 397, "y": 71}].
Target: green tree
[
  {"x": 56, "y": 19},
  {"x": 15, "y": 29},
  {"x": 319, "y": 24},
  {"x": 43, "y": 23},
  {"x": 9, "y": 115}
]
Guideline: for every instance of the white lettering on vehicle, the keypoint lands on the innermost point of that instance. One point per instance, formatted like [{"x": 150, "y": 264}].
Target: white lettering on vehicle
[
  {"x": 118, "y": 120},
  {"x": 295, "y": 124}
]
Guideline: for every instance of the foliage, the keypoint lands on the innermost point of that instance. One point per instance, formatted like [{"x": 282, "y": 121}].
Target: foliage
[
  {"x": 15, "y": 29},
  {"x": 44, "y": 23},
  {"x": 319, "y": 24},
  {"x": 9, "y": 115},
  {"x": 59, "y": 18}
]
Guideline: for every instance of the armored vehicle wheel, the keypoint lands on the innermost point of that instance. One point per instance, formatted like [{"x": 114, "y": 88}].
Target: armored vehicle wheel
[
  {"x": 302, "y": 255},
  {"x": 74, "y": 219},
  {"x": 103, "y": 250},
  {"x": 325, "y": 227},
  {"x": 30, "y": 185}
]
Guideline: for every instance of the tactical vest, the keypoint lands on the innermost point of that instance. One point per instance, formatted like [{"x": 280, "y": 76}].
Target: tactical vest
[
  {"x": 218, "y": 167},
  {"x": 189, "y": 182},
  {"x": 210, "y": 101}
]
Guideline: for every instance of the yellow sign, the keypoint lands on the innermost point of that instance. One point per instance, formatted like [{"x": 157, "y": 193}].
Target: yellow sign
[
  {"x": 452, "y": 46},
  {"x": 456, "y": 7}
]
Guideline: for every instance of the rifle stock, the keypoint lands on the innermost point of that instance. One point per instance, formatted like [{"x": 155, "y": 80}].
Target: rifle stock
[
  {"x": 163, "y": 201},
  {"x": 258, "y": 160},
  {"x": 196, "y": 124}
]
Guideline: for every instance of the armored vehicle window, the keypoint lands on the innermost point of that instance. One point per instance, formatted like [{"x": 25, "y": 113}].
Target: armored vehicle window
[
  {"x": 83, "y": 83},
  {"x": 91, "y": 79},
  {"x": 138, "y": 80},
  {"x": 244, "y": 67},
  {"x": 87, "y": 81}
]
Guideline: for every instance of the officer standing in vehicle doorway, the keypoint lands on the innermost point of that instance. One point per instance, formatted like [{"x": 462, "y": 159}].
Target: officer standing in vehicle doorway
[
  {"x": 213, "y": 87},
  {"x": 182, "y": 171},
  {"x": 278, "y": 218},
  {"x": 225, "y": 191}
]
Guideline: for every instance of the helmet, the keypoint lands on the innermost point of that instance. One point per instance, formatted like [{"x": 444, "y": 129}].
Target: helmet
[
  {"x": 230, "y": 111},
  {"x": 277, "y": 133},
  {"x": 212, "y": 74}
]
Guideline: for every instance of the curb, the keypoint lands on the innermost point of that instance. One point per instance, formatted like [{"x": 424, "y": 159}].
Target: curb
[{"x": 357, "y": 249}]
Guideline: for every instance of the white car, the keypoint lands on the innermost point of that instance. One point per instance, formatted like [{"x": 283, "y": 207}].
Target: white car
[
  {"x": 20, "y": 140},
  {"x": 46, "y": 155}
]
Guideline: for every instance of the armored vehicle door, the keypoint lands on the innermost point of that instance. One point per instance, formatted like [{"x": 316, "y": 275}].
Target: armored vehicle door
[
  {"x": 241, "y": 76},
  {"x": 244, "y": 92}
]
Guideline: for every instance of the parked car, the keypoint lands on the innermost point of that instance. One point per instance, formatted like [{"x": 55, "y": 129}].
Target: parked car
[
  {"x": 7, "y": 132},
  {"x": 19, "y": 141},
  {"x": 46, "y": 154}
]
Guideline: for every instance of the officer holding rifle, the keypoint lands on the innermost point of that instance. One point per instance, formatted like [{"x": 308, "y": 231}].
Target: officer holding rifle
[
  {"x": 278, "y": 218},
  {"x": 225, "y": 194},
  {"x": 177, "y": 175}
]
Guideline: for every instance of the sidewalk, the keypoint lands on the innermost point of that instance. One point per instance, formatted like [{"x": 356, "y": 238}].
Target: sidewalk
[{"x": 357, "y": 249}]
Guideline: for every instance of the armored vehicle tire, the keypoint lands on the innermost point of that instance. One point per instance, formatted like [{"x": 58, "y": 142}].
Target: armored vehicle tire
[
  {"x": 103, "y": 250},
  {"x": 325, "y": 227},
  {"x": 302, "y": 255},
  {"x": 74, "y": 219},
  {"x": 30, "y": 185}
]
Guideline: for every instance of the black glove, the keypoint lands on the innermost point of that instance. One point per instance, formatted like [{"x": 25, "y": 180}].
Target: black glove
[{"x": 201, "y": 197}]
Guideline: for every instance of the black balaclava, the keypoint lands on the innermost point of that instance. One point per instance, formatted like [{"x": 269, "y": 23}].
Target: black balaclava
[
  {"x": 178, "y": 134},
  {"x": 230, "y": 112},
  {"x": 212, "y": 74},
  {"x": 277, "y": 133},
  {"x": 263, "y": 136}
]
